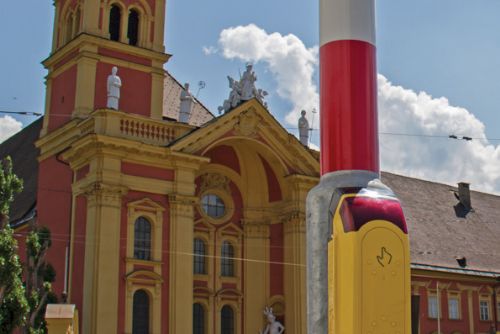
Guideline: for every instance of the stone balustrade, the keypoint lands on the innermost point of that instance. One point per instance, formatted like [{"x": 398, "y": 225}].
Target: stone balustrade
[{"x": 134, "y": 127}]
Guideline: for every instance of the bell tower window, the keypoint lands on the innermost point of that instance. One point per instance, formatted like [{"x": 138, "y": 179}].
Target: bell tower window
[
  {"x": 115, "y": 16},
  {"x": 69, "y": 28},
  {"x": 78, "y": 18},
  {"x": 133, "y": 27}
]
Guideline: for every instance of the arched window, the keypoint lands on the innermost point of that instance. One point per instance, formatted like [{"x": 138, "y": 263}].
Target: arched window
[
  {"x": 115, "y": 16},
  {"x": 227, "y": 320},
  {"x": 199, "y": 257},
  {"x": 227, "y": 259},
  {"x": 133, "y": 27},
  {"x": 142, "y": 239},
  {"x": 198, "y": 319},
  {"x": 140, "y": 313}
]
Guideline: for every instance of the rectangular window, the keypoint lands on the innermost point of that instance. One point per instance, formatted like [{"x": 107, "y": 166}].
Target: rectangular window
[
  {"x": 433, "y": 307},
  {"x": 453, "y": 308},
  {"x": 484, "y": 310}
]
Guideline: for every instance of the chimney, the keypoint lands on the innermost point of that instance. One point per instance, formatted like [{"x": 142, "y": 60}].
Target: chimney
[{"x": 464, "y": 194}]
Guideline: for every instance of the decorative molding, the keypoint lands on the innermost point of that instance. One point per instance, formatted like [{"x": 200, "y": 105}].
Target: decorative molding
[
  {"x": 98, "y": 192},
  {"x": 182, "y": 205},
  {"x": 143, "y": 278},
  {"x": 211, "y": 181},
  {"x": 294, "y": 222},
  {"x": 256, "y": 228},
  {"x": 248, "y": 123},
  {"x": 277, "y": 303},
  {"x": 145, "y": 205}
]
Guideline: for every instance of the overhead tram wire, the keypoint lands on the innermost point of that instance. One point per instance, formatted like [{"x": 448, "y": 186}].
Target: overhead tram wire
[{"x": 451, "y": 136}]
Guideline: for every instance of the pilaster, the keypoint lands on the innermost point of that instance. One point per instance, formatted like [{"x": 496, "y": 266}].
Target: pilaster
[
  {"x": 85, "y": 83},
  {"x": 158, "y": 78},
  {"x": 295, "y": 273},
  {"x": 48, "y": 95},
  {"x": 256, "y": 269},
  {"x": 55, "y": 31},
  {"x": 159, "y": 23},
  {"x": 294, "y": 223},
  {"x": 181, "y": 263},
  {"x": 90, "y": 20},
  {"x": 102, "y": 258}
]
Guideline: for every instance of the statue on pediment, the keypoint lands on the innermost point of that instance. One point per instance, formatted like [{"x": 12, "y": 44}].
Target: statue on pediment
[
  {"x": 243, "y": 90},
  {"x": 304, "y": 129}
]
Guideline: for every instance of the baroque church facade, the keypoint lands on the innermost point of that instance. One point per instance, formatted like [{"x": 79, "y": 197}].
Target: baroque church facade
[
  {"x": 163, "y": 226},
  {"x": 166, "y": 226}
]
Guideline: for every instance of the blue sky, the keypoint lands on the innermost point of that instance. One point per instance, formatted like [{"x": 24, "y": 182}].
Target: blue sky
[{"x": 446, "y": 48}]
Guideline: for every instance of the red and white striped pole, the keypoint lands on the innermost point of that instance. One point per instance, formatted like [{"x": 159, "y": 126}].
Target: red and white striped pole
[
  {"x": 348, "y": 84},
  {"x": 354, "y": 222}
]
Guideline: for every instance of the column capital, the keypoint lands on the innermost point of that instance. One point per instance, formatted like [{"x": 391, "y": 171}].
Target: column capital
[
  {"x": 255, "y": 228},
  {"x": 182, "y": 205},
  {"x": 294, "y": 222},
  {"x": 104, "y": 194}
]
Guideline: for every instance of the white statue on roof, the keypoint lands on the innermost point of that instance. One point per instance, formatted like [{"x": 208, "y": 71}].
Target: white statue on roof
[
  {"x": 248, "y": 83},
  {"x": 187, "y": 101},
  {"x": 113, "y": 87},
  {"x": 304, "y": 129},
  {"x": 273, "y": 326},
  {"x": 243, "y": 90}
]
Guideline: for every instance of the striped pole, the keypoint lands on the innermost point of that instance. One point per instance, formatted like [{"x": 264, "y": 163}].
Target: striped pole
[
  {"x": 348, "y": 86},
  {"x": 358, "y": 260}
]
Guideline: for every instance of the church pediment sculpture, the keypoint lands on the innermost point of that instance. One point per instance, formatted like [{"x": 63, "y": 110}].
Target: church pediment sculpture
[{"x": 243, "y": 90}]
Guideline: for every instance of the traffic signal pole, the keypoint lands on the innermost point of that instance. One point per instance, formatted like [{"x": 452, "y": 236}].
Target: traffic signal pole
[{"x": 358, "y": 265}]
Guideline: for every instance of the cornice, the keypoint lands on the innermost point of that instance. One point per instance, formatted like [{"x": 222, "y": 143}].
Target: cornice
[
  {"x": 415, "y": 272},
  {"x": 84, "y": 40},
  {"x": 251, "y": 121}
]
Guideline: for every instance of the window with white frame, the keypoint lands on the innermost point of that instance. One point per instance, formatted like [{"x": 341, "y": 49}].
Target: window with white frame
[
  {"x": 453, "y": 308},
  {"x": 227, "y": 259},
  {"x": 484, "y": 310},
  {"x": 199, "y": 257},
  {"x": 433, "y": 306},
  {"x": 142, "y": 239}
]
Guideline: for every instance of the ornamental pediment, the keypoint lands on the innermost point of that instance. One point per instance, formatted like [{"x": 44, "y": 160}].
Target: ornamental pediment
[{"x": 251, "y": 121}]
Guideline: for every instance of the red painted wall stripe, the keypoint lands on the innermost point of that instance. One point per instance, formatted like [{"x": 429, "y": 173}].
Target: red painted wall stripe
[{"x": 348, "y": 98}]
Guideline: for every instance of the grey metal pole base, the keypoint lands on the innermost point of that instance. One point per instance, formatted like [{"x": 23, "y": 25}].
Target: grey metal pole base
[{"x": 318, "y": 232}]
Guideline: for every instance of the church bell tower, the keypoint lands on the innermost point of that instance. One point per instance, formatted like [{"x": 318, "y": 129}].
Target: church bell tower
[
  {"x": 80, "y": 187},
  {"x": 92, "y": 36}
]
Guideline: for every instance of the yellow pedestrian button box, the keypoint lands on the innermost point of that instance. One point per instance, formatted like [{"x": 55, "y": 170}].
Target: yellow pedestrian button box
[{"x": 369, "y": 265}]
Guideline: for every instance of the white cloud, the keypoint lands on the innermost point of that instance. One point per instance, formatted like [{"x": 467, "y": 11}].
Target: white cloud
[
  {"x": 401, "y": 111},
  {"x": 404, "y": 111},
  {"x": 209, "y": 50},
  {"x": 287, "y": 58},
  {"x": 8, "y": 127}
]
